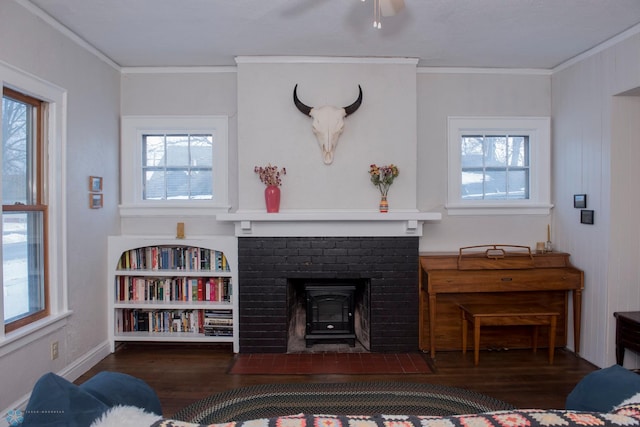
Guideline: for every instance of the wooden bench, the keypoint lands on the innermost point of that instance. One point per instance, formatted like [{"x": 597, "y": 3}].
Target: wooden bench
[{"x": 507, "y": 315}]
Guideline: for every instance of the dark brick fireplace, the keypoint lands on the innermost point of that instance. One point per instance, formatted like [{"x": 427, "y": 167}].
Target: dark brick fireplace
[{"x": 267, "y": 265}]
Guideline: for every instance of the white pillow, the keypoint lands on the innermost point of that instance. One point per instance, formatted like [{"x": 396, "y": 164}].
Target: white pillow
[
  {"x": 633, "y": 399},
  {"x": 126, "y": 416}
]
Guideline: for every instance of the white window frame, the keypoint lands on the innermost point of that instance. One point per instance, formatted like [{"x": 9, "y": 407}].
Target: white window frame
[
  {"x": 54, "y": 197},
  {"x": 132, "y": 130},
  {"x": 539, "y": 131}
]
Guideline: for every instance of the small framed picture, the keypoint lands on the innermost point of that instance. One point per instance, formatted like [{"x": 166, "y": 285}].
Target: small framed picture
[
  {"x": 586, "y": 216},
  {"x": 95, "y": 201},
  {"x": 580, "y": 201},
  {"x": 95, "y": 184}
]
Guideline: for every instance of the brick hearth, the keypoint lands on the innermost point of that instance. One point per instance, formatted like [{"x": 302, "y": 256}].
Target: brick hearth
[{"x": 266, "y": 264}]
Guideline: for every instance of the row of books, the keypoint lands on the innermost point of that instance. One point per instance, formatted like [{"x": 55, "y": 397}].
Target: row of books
[
  {"x": 173, "y": 258},
  {"x": 215, "y": 289},
  {"x": 218, "y": 323},
  {"x": 175, "y": 321}
]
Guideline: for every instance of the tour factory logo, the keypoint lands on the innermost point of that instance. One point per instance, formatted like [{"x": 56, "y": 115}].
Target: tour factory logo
[{"x": 14, "y": 417}]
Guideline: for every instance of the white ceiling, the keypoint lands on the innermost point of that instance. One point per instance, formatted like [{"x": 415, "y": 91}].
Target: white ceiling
[{"x": 539, "y": 34}]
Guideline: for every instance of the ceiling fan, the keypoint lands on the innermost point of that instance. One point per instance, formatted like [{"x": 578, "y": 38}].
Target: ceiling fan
[{"x": 385, "y": 8}]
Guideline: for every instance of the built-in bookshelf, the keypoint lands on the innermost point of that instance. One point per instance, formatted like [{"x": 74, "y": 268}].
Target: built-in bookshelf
[{"x": 173, "y": 290}]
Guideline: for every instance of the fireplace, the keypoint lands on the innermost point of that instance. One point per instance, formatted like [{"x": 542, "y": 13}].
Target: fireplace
[
  {"x": 328, "y": 315},
  {"x": 384, "y": 271}
]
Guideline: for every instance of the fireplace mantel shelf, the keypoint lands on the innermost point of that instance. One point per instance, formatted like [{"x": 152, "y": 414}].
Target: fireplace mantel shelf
[{"x": 348, "y": 223}]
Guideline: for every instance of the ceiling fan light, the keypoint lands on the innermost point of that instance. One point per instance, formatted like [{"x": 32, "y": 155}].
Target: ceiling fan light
[
  {"x": 391, "y": 7},
  {"x": 384, "y": 8}
]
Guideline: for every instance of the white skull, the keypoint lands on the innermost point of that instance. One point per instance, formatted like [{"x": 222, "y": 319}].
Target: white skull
[{"x": 328, "y": 123}]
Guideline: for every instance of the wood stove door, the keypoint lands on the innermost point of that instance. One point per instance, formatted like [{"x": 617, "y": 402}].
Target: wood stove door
[{"x": 329, "y": 313}]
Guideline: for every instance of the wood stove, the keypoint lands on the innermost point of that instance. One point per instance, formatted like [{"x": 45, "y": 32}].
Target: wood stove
[{"x": 330, "y": 313}]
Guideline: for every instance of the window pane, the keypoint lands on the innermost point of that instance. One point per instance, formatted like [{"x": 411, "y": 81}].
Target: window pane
[
  {"x": 177, "y": 184},
  {"x": 177, "y": 150},
  {"x": 495, "y": 186},
  {"x": 153, "y": 148},
  {"x": 201, "y": 184},
  {"x": 201, "y": 149},
  {"x": 17, "y": 132},
  {"x": 154, "y": 185},
  {"x": 495, "y": 151},
  {"x": 472, "y": 185},
  {"x": 519, "y": 151},
  {"x": 472, "y": 152},
  {"x": 178, "y": 167},
  {"x": 23, "y": 264},
  {"x": 517, "y": 185}
]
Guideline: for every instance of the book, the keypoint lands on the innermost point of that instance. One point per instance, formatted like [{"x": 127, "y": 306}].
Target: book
[{"x": 200, "y": 289}]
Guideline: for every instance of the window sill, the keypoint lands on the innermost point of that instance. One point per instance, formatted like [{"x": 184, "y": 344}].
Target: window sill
[
  {"x": 19, "y": 338},
  {"x": 164, "y": 209},
  {"x": 499, "y": 209}
]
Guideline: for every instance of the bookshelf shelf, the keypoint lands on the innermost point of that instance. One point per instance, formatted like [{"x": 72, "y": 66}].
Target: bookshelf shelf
[
  {"x": 175, "y": 273},
  {"x": 190, "y": 294},
  {"x": 173, "y": 336},
  {"x": 176, "y": 305}
]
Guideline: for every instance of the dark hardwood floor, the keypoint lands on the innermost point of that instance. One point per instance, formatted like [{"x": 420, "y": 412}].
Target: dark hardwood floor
[{"x": 182, "y": 374}]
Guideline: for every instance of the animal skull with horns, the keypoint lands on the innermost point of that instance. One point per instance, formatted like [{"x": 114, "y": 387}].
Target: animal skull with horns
[{"x": 328, "y": 122}]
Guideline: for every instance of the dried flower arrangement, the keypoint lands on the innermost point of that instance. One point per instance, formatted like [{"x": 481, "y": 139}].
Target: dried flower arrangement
[
  {"x": 383, "y": 176},
  {"x": 270, "y": 175}
]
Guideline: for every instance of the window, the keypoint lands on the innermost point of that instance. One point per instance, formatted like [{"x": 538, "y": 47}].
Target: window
[
  {"x": 177, "y": 167},
  {"x": 34, "y": 298},
  {"x": 174, "y": 162},
  {"x": 24, "y": 215},
  {"x": 499, "y": 165},
  {"x": 494, "y": 167}
]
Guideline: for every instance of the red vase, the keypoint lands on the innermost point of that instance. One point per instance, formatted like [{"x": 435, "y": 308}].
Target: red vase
[{"x": 272, "y": 198}]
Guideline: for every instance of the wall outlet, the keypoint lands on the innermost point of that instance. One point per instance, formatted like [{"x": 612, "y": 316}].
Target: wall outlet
[{"x": 54, "y": 350}]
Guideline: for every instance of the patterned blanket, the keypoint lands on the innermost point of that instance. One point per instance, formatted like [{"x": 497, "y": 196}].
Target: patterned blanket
[{"x": 625, "y": 415}]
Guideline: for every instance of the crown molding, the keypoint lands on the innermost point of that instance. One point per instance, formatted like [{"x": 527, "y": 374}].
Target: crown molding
[
  {"x": 599, "y": 48},
  {"x": 472, "y": 70},
  {"x": 67, "y": 32},
  {"x": 323, "y": 60},
  {"x": 180, "y": 70}
]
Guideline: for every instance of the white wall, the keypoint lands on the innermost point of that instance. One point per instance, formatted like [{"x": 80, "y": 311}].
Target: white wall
[
  {"x": 597, "y": 153},
  {"x": 408, "y": 129},
  {"x": 93, "y": 91},
  {"x": 182, "y": 92},
  {"x": 623, "y": 292},
  {"x": 272, "y": 130},
  {"x": 444, "y": 93}
]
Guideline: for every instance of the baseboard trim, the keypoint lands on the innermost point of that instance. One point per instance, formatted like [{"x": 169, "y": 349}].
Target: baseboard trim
[
  {"x": 71, "y": 373},
  {"x": 87, "y": 361}
]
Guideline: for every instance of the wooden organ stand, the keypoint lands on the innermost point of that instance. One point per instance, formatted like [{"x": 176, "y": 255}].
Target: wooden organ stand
[{"x": 494, "y": 274}]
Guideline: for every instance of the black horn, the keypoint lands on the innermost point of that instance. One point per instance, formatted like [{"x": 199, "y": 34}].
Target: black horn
[
  {"x": 353, "y": 107},
  {"x": 304, "y": 109}
]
